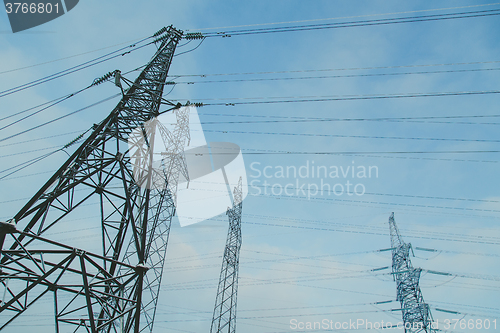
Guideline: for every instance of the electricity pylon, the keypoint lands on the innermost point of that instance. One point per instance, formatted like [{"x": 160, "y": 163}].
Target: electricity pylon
[
  {"x": 224, "y": 318},
  {"x": 116, "y": 290},
  {"x": 416, "y": 314}
]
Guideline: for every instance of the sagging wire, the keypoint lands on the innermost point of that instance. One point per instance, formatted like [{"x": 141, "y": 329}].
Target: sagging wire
[{"x": 26, "y": 164}]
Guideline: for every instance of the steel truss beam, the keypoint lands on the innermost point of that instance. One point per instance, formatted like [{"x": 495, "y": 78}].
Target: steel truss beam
[{"x": 117, "y": 290}]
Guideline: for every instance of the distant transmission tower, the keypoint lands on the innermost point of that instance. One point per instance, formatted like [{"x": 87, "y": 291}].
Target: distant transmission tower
[
  {"x": 417, "y": 316},
  {"x": 116, "y": 290},
  {"x": 224, "y": 319}
]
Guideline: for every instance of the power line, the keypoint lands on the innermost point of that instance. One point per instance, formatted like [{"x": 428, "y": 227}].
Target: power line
[
  {"x": 339, "y": 69},
  {"x": 353, "y": 136},
  {"x": 425, "y": 158},
  {"x": 26, "y": 164},
  {"x": 340, "y": 76},
  {"x": 316, "y": 135},
  {"x": 28, "y": 175},
  {"x": 201, "y": 42},
  {"x": 42, "y": 138},
  {"x": 34, "y": 107},
  {"x": 197, "y": 285},
  {"x": 37, "y": 159},
  {"x": 275, "y": 152},
  {"x": 385, "y": 194},
  {"x": 302, "y": 227},
  {"x": 30, "y": 151},
  {"x": 332, "y": 306},
  {"x": 362, "y": 23},
  {"x": 292, "y": 134},
  {"x": 378, "y": 204},
  {"x": 300, "y": 119},
  {"x": 76, "y": 68},
  {"x": 59, "y": 100},
  {"x": 363, "y": 229},
  {"x": 59, "y": 118},
  {"x": 457, "y": 252},
  {"x": 362, "y": 155},
  {"x": 469, "y": 305},
  {"x": 309, "y": 99},
  {"x": 345, "y": 17},
  {"x": 320, "y": 257},
  {"x": 293, "y": 119},
  {"x": 137, "y": 40}
]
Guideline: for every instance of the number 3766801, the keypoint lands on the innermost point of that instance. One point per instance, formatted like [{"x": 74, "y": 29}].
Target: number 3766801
[
  {"x": 478, "y": 324},
  {"x": 25, "y": 8}
]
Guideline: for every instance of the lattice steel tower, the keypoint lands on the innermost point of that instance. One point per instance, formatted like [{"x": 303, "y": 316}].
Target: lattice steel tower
[
  {"x": 116, "y": 290},
  {"x": 417, "y": 316},
  {"x": 224, "y": 318}
]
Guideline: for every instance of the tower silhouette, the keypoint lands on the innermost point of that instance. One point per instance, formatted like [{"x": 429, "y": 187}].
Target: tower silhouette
[
  {"x": 116, "y": 290},
  {"x": 416, "y": 314},
  {"x": 224, "y": 318}
]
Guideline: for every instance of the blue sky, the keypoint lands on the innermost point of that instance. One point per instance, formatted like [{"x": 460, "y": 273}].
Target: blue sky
[{"x": 302, "y": 258}]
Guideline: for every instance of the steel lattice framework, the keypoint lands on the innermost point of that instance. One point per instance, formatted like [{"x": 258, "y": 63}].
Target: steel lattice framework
[
  {"x": 417, "y": 316},
  {"x": 224, "y": 318},
  {"x": 116, "y": 290}
]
